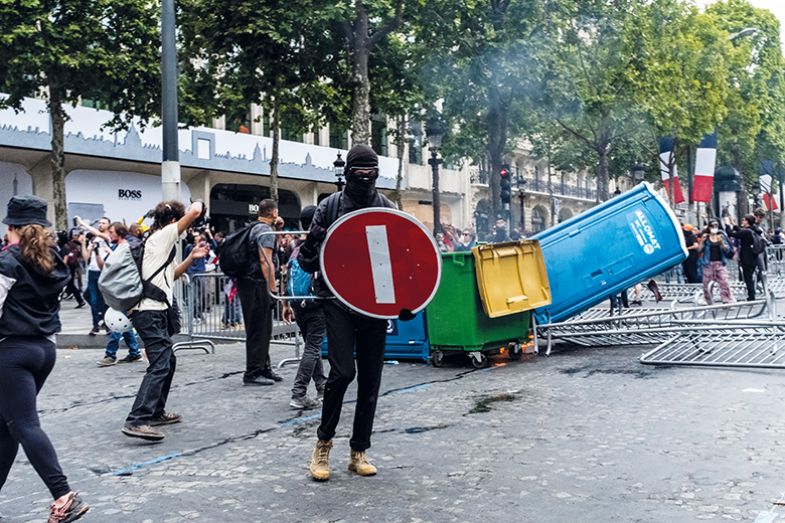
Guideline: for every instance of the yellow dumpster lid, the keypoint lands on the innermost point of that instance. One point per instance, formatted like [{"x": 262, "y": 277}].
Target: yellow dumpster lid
[{"x": 511, "y": 277}]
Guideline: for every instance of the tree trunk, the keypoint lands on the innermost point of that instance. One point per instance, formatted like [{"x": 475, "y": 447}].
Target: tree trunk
[
  {"x": 602, "y": 174},
  {"x": 497, "y": 140},
  {"x": 361, "y": 91},
  {"x": 275, "y": 125},
  {"x": 58, "y": 116},
  {"x": 400, "y": 140}
]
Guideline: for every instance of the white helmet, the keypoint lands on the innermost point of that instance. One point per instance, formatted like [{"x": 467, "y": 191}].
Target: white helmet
[{"x": 117, "y": 321}]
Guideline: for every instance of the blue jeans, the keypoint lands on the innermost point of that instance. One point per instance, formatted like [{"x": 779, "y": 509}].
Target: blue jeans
[
  {"x": 95, "y": 298},
  {"x": 114, "y": 343}
]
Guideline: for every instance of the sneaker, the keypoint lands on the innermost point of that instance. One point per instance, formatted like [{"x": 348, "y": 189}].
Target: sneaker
[
  {"x": 320, "y": 460},
  {"x": 270, "y": 374},
  {"x": 143, "y": 432},
  {"x": 320, "y": 396},
  {"x": 80, "y": 305},
  {"x": 167, "y": 418},
  {"x": 93, "y": 332},
  {"x": 130, "y": 359},
  {"x": 73, "y": 509},
  {"x": 106, "y": 361},
  {"x": 359, "y": 464},
  {"x": 304, "y": 403}
]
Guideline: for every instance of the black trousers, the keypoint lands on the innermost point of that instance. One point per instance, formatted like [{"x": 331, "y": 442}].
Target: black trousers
[
  {"x": 153, "y": 328},
  {"x": 310, "y": 320},
  {"x": 25, "y": 363},
  {"x": 345, "y": 332},
  {"x": 748, "y": 272},
  {"x": 258, "y": 318}
]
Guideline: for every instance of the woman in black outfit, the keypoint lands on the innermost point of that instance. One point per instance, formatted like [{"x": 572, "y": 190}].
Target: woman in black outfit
[{"x": 32, "y": 275}]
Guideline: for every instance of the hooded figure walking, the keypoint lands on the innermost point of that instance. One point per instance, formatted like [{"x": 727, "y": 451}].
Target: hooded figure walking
[{"x": 347, "y": 330}]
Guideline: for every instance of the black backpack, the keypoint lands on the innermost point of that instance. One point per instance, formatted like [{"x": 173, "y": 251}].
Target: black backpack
[
  {"x": 759, "y": 244},
  {"x": 236, "y": 256}
]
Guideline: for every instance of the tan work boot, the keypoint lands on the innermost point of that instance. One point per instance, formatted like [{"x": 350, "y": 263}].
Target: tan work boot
[
  {"x": 359, "y": 464},
  {"x": 320, "y": 460}
]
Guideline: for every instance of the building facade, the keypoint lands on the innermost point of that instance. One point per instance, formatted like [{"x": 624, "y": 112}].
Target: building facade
[{"x": 117, "y": 173}]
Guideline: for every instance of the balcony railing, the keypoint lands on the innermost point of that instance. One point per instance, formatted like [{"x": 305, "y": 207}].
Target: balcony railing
[{"x": 533, "y": 184}]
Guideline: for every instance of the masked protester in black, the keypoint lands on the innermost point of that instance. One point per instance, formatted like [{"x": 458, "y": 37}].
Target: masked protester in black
[{"x": 346, "y": 329}]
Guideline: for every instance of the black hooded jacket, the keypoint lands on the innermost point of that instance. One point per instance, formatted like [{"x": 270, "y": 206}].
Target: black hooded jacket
[
  {"x": 309, "y": 258},
  {"x": 32, "y": 305}
]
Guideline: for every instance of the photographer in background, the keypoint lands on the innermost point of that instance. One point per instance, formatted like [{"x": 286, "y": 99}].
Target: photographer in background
[
  {"x": 71, "y": 252},
  {"x": 97, "y": 246}
]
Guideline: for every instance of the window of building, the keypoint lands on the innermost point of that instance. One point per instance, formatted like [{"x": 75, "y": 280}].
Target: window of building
[
  {"x": 232, "y": 206},
  {"x": 379, "y": 136},
  {"x": 539, "y": 218},
  {"x": 290, "y": 132},
  {"x": 94, "y": 104},
  {"x": 415, "y": 143},
  {"x": 338, "y": 138},
  {"x": 239, "y": 120}
]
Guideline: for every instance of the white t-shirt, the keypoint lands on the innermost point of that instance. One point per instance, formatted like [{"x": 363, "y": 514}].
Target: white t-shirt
[
  {"x": 156, "y": 251},
  {"x": 101, "y": 246}
]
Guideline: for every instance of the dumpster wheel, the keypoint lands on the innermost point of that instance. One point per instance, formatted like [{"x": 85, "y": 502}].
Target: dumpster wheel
[
  {"x": 514, "y": 351},
  {"x": 437, "y": 358},
  {"x": 479, "y": 359}
]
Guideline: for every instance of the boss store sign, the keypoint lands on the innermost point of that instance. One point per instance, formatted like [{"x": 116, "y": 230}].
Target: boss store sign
[{"x": 129, "y": 194}]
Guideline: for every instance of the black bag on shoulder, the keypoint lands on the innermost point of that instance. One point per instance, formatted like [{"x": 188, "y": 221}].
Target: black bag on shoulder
[{"x": 236, "y": 256}]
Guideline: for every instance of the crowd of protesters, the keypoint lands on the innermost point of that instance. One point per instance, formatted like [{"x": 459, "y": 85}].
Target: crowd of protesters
[{"x": 721, "y": 241}]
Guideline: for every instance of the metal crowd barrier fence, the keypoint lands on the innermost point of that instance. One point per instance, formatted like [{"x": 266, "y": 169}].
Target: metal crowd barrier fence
[
  {"x": 211, "y": 311},
  {"x": 650, "y": 326}
]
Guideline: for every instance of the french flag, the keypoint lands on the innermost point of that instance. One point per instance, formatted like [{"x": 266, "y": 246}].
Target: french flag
[
  {"x": 766, "y": 168},
  {"x": 705, "y": 163},
  {"x": 666, "y": 158}
]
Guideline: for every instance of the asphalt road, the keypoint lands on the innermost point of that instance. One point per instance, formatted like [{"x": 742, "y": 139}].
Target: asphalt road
[{"x": 585, "y": 435}]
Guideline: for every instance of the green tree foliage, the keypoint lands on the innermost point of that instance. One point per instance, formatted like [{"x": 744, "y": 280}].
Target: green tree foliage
[
  {"x": 680, "y": 78},
  {"x": 587, "y": 92},
  {"x": 271, "y": 53},
  {"x": 754, "y": 128},
  {"x": 69, "y": 50},
  {"x": 482, "y": 67}
]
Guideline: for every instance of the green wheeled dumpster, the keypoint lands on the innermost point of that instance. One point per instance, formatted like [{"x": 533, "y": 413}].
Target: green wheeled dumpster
[{"x": 457, "y": 322}]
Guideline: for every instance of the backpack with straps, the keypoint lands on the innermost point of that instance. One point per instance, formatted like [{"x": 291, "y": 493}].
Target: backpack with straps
[
  {"x": 236, "y": 257},
  {"x": 759, "y": 243},
  {"x": 121, "y": 282},
  {"x": 299, "y": 283}
]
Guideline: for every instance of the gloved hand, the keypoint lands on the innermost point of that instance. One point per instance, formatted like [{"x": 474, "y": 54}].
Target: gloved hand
[{"x": 315, "y": 237}]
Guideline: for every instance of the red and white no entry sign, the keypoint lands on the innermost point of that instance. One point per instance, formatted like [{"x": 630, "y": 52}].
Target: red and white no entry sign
[{"x": 381, "y": 262}]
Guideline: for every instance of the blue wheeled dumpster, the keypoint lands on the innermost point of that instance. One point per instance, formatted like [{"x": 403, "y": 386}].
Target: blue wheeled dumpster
[
  {"x": 406, "y": 340},
  {"x": 607, "y": 249}
]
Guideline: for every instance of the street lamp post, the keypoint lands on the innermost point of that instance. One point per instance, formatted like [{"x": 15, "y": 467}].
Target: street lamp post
[
  {"x": 170, "y": 167},
  {"x": 434, "y": 130},
  {"x": 338, "y": 166},
  {"x": 520, "y": 183}
]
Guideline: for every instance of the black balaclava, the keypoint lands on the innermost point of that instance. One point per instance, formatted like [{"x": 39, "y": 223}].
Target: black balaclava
[
  {"x": 362, "y": 190},
  {"x": 306, "y": 216}
]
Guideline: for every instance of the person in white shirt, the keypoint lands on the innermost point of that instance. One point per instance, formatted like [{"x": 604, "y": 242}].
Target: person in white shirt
[{"x": 156, "y": 318}]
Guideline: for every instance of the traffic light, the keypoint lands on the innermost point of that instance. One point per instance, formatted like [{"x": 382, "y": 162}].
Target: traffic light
[{"x": 504, "y": 183}]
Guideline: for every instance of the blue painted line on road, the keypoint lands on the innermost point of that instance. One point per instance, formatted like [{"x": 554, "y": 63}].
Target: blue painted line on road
[{"x": 127, "y": 471}]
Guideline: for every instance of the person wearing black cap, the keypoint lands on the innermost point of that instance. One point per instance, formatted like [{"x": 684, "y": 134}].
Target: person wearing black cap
[
  {"x": 32, "y": 275},
  {"x": 310, "y": 319},
  {"x": 346, "y": 329}
]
